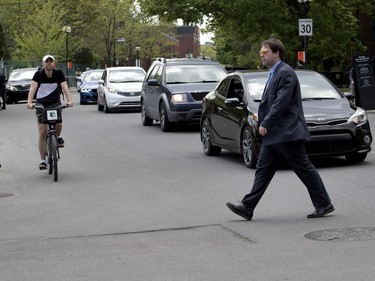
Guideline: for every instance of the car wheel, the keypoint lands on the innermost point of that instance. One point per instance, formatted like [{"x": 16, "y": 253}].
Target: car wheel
[
  {"x": 208, "y": 148},
  {"x": 4, "y": 101},
  {"x": 146, "y": 121},
  {"x": 356, "y": 157},
  {"x": 100, "y": 107},
  {"x": 247, "y": 148},
  {"x": 165, "y": 125},
  {"x": 106, "y": 108}
]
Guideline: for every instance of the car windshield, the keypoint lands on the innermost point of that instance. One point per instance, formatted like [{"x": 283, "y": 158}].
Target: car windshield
[
  {"x": 93, "y": 76},
  {"x": 126, "y": 76},
  {"x": 313, "y": 86},
  {"x": 194, "y": 74},
  {"x": 24, "y": 75}
]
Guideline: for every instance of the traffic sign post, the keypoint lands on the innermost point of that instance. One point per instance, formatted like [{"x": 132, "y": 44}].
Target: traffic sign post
[{"x": 305, "y": 29}]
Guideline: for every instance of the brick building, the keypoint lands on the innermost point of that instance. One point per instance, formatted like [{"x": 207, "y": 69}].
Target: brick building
[{"x": 189, "y": 41}]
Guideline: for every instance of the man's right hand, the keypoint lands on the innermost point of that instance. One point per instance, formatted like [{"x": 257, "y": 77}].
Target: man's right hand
[{"x": 30, "y": 105}]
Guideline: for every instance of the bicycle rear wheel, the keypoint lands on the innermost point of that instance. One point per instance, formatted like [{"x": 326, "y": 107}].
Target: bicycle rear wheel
[{"x": 54, "y": 159}]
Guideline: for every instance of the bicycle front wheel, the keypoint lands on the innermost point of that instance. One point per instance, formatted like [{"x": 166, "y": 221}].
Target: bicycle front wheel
[
  {"x": 54, "y": 159},
  {"x": 49, "y": 154}
]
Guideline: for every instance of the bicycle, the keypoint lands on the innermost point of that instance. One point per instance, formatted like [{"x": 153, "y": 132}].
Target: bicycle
[{"x": 52, "y": 116}]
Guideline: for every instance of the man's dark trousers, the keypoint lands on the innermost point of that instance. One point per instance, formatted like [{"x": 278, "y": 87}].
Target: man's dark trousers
[{"x": 294, "y": 154}]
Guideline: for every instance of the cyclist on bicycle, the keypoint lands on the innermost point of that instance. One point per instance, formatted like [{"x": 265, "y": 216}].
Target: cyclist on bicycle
[{"x": 47, "y": 84}]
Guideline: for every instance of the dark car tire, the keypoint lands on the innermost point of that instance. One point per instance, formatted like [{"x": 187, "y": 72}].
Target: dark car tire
[
  {"x": 81, "y": 102},
  {"x": 208, "y": 148},
  {"x": 2, "y": 103},
  {"x": 165, "y": 124},
  {"x": 146, "y": 121},
  {"x": 356, "y": 157},
  {"x": 247, "y": 148},
  {"x": 100, "y": 107},
  {"x": 106, "y": 108}
]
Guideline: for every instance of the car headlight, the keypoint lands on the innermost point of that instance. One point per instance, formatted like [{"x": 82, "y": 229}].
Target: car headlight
[
  {"x": 179, "y": 98},
  {"x": 359, "y": 117},
  {"x": 112, "y": 90},
  {"x": 11, "y": 88}
]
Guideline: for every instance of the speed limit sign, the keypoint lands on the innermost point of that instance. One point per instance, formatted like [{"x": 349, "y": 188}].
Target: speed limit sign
[{"x": 305, "y": 27}]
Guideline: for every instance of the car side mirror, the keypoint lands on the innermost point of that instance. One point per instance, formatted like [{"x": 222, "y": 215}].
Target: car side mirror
[
  {"x": 101, "y": 81},
  {"x": 348, "y": 95},
  {"x": 232, "y": 102},
  {"x": 152, "y": 82}
]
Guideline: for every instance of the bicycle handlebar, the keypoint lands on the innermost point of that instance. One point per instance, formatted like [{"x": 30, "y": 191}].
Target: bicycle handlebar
[{"x": 40, "y": 106}]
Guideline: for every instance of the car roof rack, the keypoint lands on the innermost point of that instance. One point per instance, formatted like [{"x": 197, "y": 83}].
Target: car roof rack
[{"x": 200, "y": 58}]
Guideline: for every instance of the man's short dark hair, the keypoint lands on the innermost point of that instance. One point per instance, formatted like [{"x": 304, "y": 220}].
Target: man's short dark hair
[{"x": 276, "y": 46}]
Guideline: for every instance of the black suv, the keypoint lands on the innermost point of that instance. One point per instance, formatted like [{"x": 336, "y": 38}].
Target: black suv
[
  {"x": 173, "y": 90},
  {"x": 18, "y": 85}
]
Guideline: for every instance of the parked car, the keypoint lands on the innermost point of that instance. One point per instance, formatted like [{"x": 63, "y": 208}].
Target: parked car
[
  {"x": 120, "y": 88},
  {"x": 18, "y": 84},
  {"x": 80, "y": 80},
  {"x": 336, "y": 125},
  {"x": 88, "y": 91},
  {"x": 174, "y": 88}
]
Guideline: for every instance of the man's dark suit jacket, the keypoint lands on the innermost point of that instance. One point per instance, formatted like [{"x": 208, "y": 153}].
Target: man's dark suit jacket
[{"x": 280, "y": 110}]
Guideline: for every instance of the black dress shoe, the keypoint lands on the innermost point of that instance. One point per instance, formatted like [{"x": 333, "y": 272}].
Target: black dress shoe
[
  {"x": 241, "y": 209},
  {"x": 321, "y": 212}
]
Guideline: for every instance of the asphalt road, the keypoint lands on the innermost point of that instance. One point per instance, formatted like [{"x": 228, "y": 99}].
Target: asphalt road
[{"x": 134, "y": 203}]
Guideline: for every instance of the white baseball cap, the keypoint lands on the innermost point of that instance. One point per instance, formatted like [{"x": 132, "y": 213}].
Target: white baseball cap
[{"x": 46, "y": 57}]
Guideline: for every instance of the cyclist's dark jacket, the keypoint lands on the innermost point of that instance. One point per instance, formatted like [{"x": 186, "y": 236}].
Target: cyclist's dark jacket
[{"x": 49, "y": 89}]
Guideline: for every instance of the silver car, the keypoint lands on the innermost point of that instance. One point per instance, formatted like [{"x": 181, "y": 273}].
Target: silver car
[{"x": 120, "y": 88}]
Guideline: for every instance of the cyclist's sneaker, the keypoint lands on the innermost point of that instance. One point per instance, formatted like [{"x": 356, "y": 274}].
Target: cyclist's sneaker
[
  {"x": 60, "y": 142},
  {"x": 42, "y": 165}
]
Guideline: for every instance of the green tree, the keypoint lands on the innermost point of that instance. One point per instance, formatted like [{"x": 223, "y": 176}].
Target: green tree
[
  {"x": 113, "y": 19},
  {"x": 241, "y": 25}
]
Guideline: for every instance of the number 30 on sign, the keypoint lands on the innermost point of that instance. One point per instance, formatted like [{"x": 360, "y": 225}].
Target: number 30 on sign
[{"x": 305, "y": 27}]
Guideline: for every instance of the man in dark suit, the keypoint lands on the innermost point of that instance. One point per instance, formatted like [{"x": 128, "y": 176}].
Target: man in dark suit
[{"x": 283, "y": 129}]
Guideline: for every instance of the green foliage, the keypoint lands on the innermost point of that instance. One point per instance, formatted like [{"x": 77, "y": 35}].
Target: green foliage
[
  {"x": 208, "y": 51},
  {"x": 240, "y": 26},
  {"x": 34, "y": 28},
  {"x": 30, "y": 29},
  {"x": 41, "y": 31}
]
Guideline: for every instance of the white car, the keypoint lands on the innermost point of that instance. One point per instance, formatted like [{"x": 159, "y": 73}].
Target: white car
[{"x": 120, "y": 88}]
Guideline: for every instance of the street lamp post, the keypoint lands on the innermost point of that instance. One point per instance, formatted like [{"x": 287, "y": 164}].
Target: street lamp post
[
  {"x": 67, "y": 29},
  {"x": 118, "y": 40},
  {"x": 137, "y": 60},
  {"x": 306, "y": 27}
]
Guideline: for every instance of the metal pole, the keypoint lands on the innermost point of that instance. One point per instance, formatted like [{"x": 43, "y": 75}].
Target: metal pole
[
  {"x": 306, "y": 38},
  {"x": 305, "y": 47},
  {"x": 114, "y": 53},
  {"x": 137, "y": 60},
  {"x": 67, "y": 53}
]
